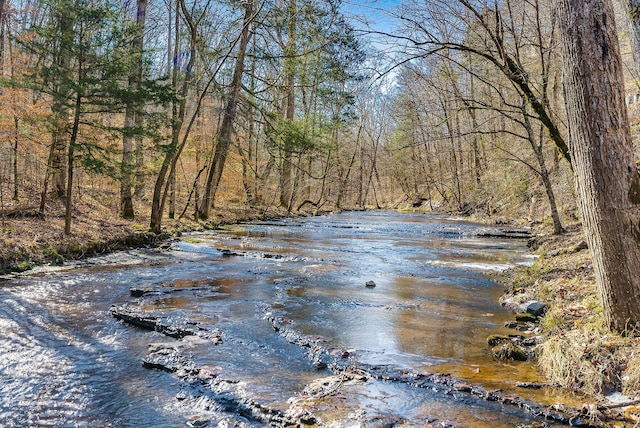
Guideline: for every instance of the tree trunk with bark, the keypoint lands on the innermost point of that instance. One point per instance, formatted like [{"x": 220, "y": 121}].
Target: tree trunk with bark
[
  {"x": 607, "y": 182},
  {"x": 61, "y": 118},
  {"x": 226, "y": 129},
  {"x": 286, "y": 174},
  {"x": 132, "y": 117}
]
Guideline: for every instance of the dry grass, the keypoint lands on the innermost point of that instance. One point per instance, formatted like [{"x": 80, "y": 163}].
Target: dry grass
[{"x": 578, "y": 352}]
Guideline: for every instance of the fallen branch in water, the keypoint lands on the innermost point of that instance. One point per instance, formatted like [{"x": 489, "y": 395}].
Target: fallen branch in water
[{"x": 617, "y": 405}]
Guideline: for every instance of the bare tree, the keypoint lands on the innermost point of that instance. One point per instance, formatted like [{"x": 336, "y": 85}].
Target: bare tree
[{"x": 225, "y": 134}]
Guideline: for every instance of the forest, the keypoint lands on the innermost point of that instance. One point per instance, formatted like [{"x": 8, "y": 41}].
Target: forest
[
  {"x": 147, "y": 117},
  {"x": 173, "y": 109}
]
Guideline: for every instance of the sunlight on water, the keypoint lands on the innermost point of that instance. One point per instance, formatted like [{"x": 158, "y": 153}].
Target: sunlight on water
[{"x": 66, "y": 361}]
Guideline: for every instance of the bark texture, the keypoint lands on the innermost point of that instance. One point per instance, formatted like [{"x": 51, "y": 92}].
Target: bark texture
[
  {"x": 133, "y": 116},
  {"x": 607, "y": 182},
  {"x": 633, "y": 18},
  {"x": 225, "y": 134}
]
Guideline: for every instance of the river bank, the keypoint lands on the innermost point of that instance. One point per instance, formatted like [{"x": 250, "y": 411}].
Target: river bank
[
  {"x": 575, "y": 350},
  {"x": 29, "y": 239}
]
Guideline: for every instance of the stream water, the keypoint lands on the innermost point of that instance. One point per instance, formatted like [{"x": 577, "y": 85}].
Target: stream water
[{"x": 67, "y": 362}]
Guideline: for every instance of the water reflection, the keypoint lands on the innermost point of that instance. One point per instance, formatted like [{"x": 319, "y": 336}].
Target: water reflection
[{"x": 66, "y": 361}]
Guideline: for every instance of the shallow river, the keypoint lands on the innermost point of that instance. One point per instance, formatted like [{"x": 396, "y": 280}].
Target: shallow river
[{"x": 67, "y": 362}]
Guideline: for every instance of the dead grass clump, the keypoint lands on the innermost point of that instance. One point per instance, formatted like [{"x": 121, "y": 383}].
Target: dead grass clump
[
  {"x": 577, "y": 351},
  {"x": 631, "y": 375},
  {"x": 584, "y": 359}
]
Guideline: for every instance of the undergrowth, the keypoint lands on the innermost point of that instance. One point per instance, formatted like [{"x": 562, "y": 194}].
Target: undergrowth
[{"x": 577, "y": 350}]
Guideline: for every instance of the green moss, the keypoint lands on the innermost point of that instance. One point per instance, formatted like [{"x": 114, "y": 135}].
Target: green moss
[
  {"x": 553, "y": 322},
  {"x": 526, "y": 317},
  {"x": 496, "y": 339},
  {"x": 52, "y": 255},
  {"x": 509, "y": 351},
  {"x": 24, "y": 265}
]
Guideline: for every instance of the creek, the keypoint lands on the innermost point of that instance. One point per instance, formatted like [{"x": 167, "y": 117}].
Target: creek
[{"x": 66, "y": 361}]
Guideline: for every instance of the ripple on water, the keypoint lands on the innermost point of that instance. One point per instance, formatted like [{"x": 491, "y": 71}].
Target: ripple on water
[{"x": 66, "y": 362}]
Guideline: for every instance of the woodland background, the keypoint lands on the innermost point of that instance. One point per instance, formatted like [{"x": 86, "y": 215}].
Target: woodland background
[{"x": 176, "y": 109}]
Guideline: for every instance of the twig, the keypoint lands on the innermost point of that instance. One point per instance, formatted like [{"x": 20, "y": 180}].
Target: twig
[{"x": 618, "y": 405}]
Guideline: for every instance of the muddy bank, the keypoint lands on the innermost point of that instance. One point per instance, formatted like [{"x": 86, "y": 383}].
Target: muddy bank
[{"x": 34, "y": 240}]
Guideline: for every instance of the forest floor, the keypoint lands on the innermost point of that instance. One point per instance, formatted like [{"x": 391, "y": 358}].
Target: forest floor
[{"x": 29, "y": 239}]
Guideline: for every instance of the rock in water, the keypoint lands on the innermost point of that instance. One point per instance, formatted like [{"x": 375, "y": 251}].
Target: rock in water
[
  {"x": 497, "y": 339},
  {"x": 370, "y": 284},
  {"x": 509, "y": 351}
]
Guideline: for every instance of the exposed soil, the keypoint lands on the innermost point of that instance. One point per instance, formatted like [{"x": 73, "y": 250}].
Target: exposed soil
[{"x": 29, "y": 238}]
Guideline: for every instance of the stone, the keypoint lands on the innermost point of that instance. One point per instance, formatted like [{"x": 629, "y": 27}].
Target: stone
[
  {"x": 509, "y": 351},
  {"x": 370, "y": 284},
  {"x": 320, "y": 365},
  {"x": 536, "y": 308},
  {"x": 511, "y": 324},
  {"x": 496, "y": 339},
  {"x": 526, "y": 317}
]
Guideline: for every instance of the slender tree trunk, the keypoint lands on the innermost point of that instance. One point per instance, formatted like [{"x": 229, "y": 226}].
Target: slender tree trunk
[
  {"x": 361, "y": 178},
  {"x": 140, "y": 176},
  {"x": 286, "y": 176},
  {"x": 607, "y": 182},
  {"x": 70, "y": 157},
  {"x": 16, "y": 139},
  {"x": 249, "y": 175},
  {"x": 132, "y": 117},
  {"x": 47, "y": 176},
  {"x": 60, "y": 115},
  {"x": 172, "y": 194},
  {"x": 345, "y": 179},
  {"x": 126, "y": 168},
  {"x": 454, "y": 159},
  {"x": 226, "y": 129},
  {"x": 543, "y": 172}
]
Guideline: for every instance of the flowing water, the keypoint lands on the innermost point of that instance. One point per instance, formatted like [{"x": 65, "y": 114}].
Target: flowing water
[{"x": 65, "y": 361}]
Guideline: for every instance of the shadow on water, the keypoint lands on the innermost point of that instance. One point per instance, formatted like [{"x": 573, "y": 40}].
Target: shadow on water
[{"x": 66, "y": 361}]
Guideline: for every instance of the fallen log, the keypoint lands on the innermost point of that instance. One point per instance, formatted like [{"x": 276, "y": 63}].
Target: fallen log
[
  {"x": 23, "y": 211},
  {"x": 505, "y": 233}
]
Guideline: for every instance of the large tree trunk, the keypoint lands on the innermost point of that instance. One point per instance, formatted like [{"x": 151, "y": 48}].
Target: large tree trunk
[
  {"x": 226, "y": 128},
  {"x": 607, "y": 182}
]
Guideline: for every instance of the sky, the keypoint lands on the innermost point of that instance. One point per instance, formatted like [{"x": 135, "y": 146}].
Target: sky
[
  {"x": 373, "y": 12},
  {"x": 377, "y": 15}
]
